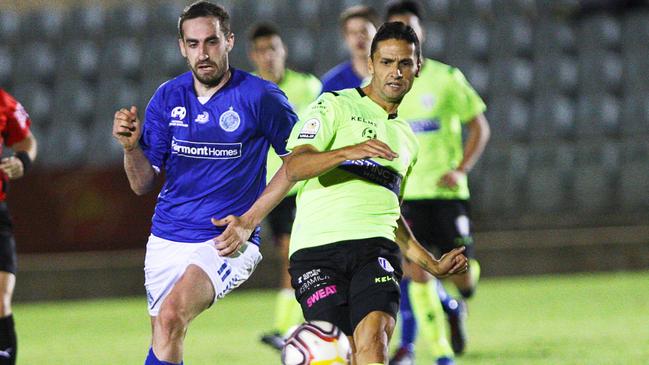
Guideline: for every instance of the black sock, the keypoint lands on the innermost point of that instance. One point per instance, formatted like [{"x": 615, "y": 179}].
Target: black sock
[{"x": 8, "y": 345}]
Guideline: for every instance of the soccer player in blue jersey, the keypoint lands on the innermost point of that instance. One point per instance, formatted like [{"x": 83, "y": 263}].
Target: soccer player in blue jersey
[
  {"x": 209, "y": 130},
  {"x": 358, "y": 25}
]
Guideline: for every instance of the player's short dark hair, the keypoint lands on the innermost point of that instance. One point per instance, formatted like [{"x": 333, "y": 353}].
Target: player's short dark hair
[
  {"x": 403, "y": 7},
  {"x": 260, "y": 30},
  {"x": 201, "y": 9},
  {"x": 396, "y": 30},
  {"x": 359, "y": 11}
]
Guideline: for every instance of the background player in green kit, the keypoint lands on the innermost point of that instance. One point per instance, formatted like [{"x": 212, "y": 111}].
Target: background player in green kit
[
  {"x": 440, "y": 103},
  {"x": 268, "y": 53},
  {"x": 354, "y": 153}
]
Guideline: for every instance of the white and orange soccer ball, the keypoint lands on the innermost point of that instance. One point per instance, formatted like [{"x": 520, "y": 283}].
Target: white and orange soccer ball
[{"x": 316, "y": 343}]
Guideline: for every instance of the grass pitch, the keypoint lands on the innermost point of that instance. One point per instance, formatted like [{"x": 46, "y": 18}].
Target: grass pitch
[{"x": 568, "y": 319}]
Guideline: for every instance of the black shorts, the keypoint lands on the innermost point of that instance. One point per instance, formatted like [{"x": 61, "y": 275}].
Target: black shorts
[
  {"x": 7, "y": 243},
  {"x": 281, "y": 218},
  {"x": 343, "y": 282},
  {"x": 440, "y": 225}
]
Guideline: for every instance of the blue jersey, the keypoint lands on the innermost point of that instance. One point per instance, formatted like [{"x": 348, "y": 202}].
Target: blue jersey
[
  {"x": 341, "y": 77},
  {"x": 213, "y": 154}
]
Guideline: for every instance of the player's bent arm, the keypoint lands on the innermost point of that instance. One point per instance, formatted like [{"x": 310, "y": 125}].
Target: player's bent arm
[
  {"x": 274, "y": 192},
  {"x": 140, "y": 173},
  {"x": 478, "y": 136},
  {"x": 28, "y": 145},
  {"x": 452, "y": 263},
  {"x": 307, "y": 162}
]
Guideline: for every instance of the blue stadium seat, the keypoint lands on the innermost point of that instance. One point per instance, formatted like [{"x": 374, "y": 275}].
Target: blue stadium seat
[
  {"x": 600, "y": 71},
  {"x": 509, "y": 118},
  {"x": 553, "y": 117},
  {"x": 73, "y": 97},
  {"x": 597, "y": 115},
  {"x": 601, "y": 31},
  {"x": 9, "y": 26},
  {"x": 595, "y": 171},
  {"x": 634, "y": 175},
  {"x": 37, "y": 99},
  {"x": 436, "y": 40},
  {"x": 78, "y": 58},
  {"x": 115, "y": 93},
  {"x": 635, "y": 114},
  {"x": 127, "y": 20},
  {"x": 48, "y": 21},
  {"x": 6, "y": 66},
  {"x": 35, "y": 61},
  {"x": 549, "y": 179},
  {"x": 514, "y": 35},
  {"x": 555, "y": 72},
  {"x": 511, "y": 76},
  {"x": 162, "y": 58},
  {"x": 86, "y": 22},
  {"x": 121, "y": 57}
]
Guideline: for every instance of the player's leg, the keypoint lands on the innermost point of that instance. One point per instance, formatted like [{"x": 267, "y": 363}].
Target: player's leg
[
  {"x": 429, "y": 314},
  {"x": 467, "y": 282},
  {"x": 8, "y": 340},
  {"x": 190, "y": 296},
  {"x": 405, "y": 353},
  {"x": 372, "y": 336}
]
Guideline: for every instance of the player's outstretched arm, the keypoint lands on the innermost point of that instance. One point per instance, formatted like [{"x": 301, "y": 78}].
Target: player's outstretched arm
[
  {"x": 451, "y": 263},
  {"x": 307, "y": 162},
  {"x": 127, "y": 129},
  {"x": 238, "y": 229}
]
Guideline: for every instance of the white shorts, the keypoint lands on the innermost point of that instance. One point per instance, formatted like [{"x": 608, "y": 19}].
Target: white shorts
[{"x": 166, "y": 261}]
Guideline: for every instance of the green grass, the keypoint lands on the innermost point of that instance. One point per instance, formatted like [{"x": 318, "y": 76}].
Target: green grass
[{"x": 568, "y": 319}]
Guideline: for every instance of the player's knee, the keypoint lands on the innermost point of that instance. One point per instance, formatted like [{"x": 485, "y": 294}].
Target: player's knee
[
  {"x": 373, "y": 344},
  {"x": 170, "y": 320}
]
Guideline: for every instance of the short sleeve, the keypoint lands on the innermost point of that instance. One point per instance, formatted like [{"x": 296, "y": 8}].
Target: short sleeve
[
  {"x": 462, "y": 98},
  {"x": 155, "y": 141},
  {"x": 17, "y": 120},
  {"x": 317, "y": 125},
  {"x": 277, "y": 119}
]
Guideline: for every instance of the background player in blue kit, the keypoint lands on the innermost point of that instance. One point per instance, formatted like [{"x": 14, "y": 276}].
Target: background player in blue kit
[
  {"x": 358, "y": 25},
  {"x": 210, "y": 130}
]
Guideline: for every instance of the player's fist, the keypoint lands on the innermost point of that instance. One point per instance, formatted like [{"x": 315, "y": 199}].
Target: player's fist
[
  {"x": 451, "y": 179},
  {"x": 12, "y": 167},
  {"x": 127, "y": 127},
  {"x": 369, "y": 149},
  {"x": 237, "y": 231},
  {"x": 451, "y": 263}
]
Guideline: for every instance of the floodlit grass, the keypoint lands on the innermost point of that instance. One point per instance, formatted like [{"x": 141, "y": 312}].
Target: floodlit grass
[{"x": 567, "y": 319}]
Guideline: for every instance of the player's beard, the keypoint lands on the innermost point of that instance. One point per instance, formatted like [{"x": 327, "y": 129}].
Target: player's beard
[{"x": 213, "y": 79}]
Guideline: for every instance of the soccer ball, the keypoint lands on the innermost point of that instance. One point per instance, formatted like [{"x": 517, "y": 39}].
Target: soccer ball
[{"x": 316, "y": 343}]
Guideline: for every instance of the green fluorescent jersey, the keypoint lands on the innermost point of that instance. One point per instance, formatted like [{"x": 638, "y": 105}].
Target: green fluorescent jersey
[
  {"x": 439, "y": 103},
  {"x": 359, "y": 199},
  {"x": 301, "y": 89}
]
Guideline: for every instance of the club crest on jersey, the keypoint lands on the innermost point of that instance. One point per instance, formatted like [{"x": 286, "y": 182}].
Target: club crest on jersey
[
  {"x": 202, "y": 118},
  {"x": 310, "y": 129},
  {"x": 385, "y": 264},
  {"x": 428, "y": 101},
  {"x": 230, "y": 120}
]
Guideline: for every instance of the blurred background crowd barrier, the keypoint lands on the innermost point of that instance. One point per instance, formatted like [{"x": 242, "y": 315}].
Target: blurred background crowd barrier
[{"x": 563, "y": 185}]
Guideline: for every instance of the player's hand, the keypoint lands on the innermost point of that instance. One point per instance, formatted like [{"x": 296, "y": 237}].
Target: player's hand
[
  {"x": 127, "y": 127},
  {"x": 237, "y": 231},
  {"x": 369, "y": 149},
  {"x": 451, "y": 179},
  {"x": 453, "y": 262},
  {"x": 12, "y": 167}
]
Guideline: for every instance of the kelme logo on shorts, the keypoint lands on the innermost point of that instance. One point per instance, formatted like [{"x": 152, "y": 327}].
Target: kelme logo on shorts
[{"x": 385, "y": 264}]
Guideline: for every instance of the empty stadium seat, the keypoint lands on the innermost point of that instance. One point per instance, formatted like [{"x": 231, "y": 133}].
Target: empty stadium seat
[
  {"x": 511, "y": 76},
  {"x": 552, "y": 117},
  {"x": 555, "y": 72},
  {"x": 509, "y": 118},
  {"x": 121, "y": 57},
  {"x": 595, "y": 171},
  {"x": 600, "y": 71},
  {"x": 549, "y": 178},
  {"x": 163, "y": 18},
  {"x": 6, "y": 66},
  {"x": 601, "y": 31},
  {"x": 597, "y": 115},
  {"x": 635, "y": 114},
  {"x": 75, "y": 98},
  {"x": 435, "y": 43},
  {"x": 37, "y": 100},
  {"x": 162, "y": 58},
  {"x": 48, "y": 21},
  {"x": 634, "y": 175},
  {"x": 79, "y": 58},
  {"x": 86, "y": 22},
  {"x": 35, "y": 61},
  {"x": 513, "y": 36},
  {"x": 127, "y": 20},
  {"x": 9, "y": 26}
]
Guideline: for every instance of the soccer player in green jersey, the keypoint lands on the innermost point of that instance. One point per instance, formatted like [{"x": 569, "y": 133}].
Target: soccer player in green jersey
[
  {"x": 268, "y": 53},
  {"x": 354, "y": 153},
  {"x": 440, "y": 103}
]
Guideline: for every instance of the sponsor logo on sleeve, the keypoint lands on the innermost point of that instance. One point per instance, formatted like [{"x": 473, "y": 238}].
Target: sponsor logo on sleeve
[
  {"x": 205, "y": 150},
  {"x": 310, "y": 129},
  {"x": 230, "y": 120}
]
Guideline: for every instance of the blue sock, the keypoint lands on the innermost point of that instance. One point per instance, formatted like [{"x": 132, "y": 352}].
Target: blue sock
[
  {"x": 408, "y": 324},
  {"x": 449, "y": 304},
  {"x": 152, "y": 360}
]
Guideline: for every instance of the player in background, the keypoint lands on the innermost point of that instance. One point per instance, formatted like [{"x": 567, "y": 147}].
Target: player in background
[
  {"x": 358, "y": 24},
  {"x": 436, "y": 198},
  {"x": 210, "y": 130},
  {"x": 14, "y": 128},
  {"x": 355, "y": 152},
  {"x": 268, "y": 53}
]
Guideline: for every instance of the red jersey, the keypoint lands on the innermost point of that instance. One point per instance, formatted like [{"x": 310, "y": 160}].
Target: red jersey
[{"x": 14, "y": 127}]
